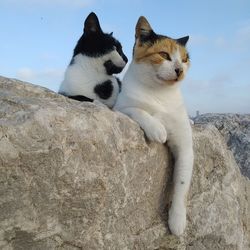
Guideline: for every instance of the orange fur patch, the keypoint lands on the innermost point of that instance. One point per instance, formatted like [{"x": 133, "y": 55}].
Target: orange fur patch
[{"x": 148, "y": 53}]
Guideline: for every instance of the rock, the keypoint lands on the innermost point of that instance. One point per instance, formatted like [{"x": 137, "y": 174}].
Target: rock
[
  {"x": 236, "y": 130},
  {"x": 80, "y": 176}
]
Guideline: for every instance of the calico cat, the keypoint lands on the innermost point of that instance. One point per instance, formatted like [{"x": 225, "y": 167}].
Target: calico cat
[
  {"x": 97, "y": 56},
  {"x": 151, "y": 96}
]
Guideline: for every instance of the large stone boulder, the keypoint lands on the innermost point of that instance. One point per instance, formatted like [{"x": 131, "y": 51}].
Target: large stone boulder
[
  {"x": 79, "y": 176},
  {"x": 236, "y": 130}
]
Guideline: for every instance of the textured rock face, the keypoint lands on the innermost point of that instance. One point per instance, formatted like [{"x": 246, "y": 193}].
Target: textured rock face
[
  {"x": 236, "y": 130},
  {"x": 79, "y": 176}
]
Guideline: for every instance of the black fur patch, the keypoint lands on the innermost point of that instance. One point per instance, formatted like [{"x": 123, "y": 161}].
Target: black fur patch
[
  {"x": 150, "y": 38},
  {"x": 119, "y": 84},
  {"x": 81, "y": 98},
  {"x": 94, "y": 42},
  {"x": 111, "y": 68},
  {"x": 182, "y": 41},
  {"x": 72, "y": 61},
  {"x": 120, "y": 52},
  {"x": 104, "y": 90}
]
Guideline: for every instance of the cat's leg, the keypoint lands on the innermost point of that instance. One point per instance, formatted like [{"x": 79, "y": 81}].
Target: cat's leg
[
  {"x": 153, "y": 128},
  {"x": 183, "y": 154}
]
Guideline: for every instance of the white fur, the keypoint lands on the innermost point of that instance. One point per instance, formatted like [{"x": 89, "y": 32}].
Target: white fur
[
  {"x": 167, "y": 68},
  {"x": 86, "y": 72},
  {"x": 159, "y": 109}
]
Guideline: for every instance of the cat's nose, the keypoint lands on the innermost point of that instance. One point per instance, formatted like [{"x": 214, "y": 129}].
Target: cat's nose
[{"x": 178, "y": 71}]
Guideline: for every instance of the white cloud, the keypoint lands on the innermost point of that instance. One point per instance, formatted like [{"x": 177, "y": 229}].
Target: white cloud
[
  {"x": 222, "y": 93},
  {"x": 25, "y": 74},
  {"x": 243, "y": 36},
  {"x": 47, "y": 56},
  {"x": 198, "y": 39},
  {"x": 238, "y": 42},
  {"x": 221, "y": 42},
  {"x": 48, "y": 3},
  {"x": 50, "y": 78},
  {"x": 217, "y": 85}
]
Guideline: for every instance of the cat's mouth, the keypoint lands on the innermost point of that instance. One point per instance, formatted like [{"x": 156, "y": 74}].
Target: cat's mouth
[
  {"x": 171, "y": 81},
  {"x": 111, "y": 68}
]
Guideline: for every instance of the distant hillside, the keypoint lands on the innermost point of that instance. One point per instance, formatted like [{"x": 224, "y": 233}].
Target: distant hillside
[{"x": 236, "y": 130}]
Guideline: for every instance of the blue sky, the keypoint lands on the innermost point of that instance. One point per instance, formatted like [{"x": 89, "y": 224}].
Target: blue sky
[{"x": 38, "y": 37}]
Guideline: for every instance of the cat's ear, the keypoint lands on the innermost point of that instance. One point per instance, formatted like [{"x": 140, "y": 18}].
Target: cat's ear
[
  {"x": 143, "y": 29},
  {"x": 91, "y": 24},
  {"x": 183, "y": 40}
]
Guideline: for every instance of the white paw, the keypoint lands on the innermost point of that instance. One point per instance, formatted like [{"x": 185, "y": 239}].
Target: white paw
[
  {"x": 177, "y": 220},
  {"x": 156, "y": 132}
]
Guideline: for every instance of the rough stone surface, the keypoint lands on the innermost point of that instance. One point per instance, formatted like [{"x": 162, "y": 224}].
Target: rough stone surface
[
  {"x": 236, "y": 130},
  {"x": 79, "y": 176}
]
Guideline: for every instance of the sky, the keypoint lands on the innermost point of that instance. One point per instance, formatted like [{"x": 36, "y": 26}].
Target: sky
[{"x": 37, "y": 39}]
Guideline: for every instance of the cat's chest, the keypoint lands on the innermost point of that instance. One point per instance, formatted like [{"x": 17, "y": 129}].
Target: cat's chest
[{"x": 157, "y": 101}]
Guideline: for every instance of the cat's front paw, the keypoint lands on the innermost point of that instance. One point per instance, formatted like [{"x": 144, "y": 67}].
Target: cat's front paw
[
  {"x": 177, "y": 220},
  {"x": 156, "y": 132}
]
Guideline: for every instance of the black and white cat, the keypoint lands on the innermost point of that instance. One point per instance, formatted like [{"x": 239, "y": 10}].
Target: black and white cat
[{"x": 97, "y": 56}]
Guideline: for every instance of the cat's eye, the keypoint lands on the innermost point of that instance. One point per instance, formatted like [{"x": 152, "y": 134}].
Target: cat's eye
[
  {"x": 165, "y": 55},
  {"x": 184, "y": 60}
]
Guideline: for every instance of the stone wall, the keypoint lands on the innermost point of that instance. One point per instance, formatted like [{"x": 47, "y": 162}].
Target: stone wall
[{"x": 80, "y": 176}]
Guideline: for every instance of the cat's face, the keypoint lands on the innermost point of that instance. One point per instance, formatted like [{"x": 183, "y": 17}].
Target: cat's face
[
  {"x": 167, "y": 58},
  {"x": 104, "y": 47}
]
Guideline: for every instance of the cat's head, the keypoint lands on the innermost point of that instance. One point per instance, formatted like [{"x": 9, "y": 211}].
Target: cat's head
[
  {"x": 167, "y": 58},
  {"x": 97, "y": 44}
]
